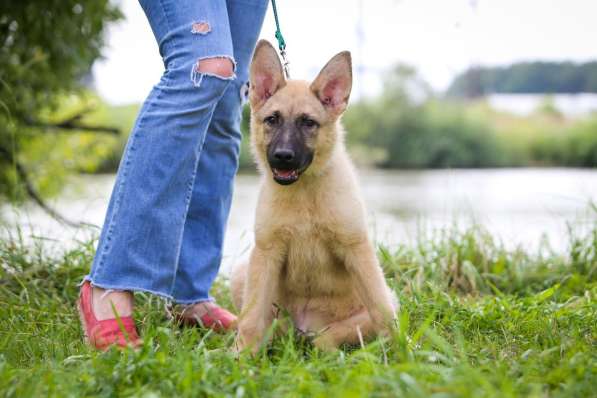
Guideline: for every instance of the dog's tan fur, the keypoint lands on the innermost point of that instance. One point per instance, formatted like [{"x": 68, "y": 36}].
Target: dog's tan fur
[{"x": 312, "y": 254}]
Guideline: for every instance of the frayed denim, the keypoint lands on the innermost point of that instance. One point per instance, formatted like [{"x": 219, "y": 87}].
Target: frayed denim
[{"x": 164, "y": 228}]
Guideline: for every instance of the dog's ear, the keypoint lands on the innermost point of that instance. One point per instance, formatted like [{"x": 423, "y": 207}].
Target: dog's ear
[
  {"x": 333, "y": 84},
  {"x": 266, "y": 75}
]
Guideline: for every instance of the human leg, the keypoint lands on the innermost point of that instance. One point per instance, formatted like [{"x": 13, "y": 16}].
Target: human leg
[
  {"x": 201, "y": 251},
  {"x": 141, "y": 238}
]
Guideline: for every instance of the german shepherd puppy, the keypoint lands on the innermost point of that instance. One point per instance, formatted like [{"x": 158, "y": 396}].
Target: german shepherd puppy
[{"x": 312, "y": 255}]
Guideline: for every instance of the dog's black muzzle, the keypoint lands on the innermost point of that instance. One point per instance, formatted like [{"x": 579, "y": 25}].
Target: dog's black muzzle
[{"x": 288, "y": 156}]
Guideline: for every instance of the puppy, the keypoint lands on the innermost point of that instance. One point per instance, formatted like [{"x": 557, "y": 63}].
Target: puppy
[{"x": 312, "y": 255}]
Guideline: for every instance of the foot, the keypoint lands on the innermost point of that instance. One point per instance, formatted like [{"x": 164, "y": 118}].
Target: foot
[
  {"x": 208, "y": 315},
  {"x": 106, "y": 318},
  {"x": 103, "y": 300}
]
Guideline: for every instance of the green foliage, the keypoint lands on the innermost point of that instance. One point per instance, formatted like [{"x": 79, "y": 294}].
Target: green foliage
[
  {"x": 472, "y": 262},
  {"x": 246, "y": 162},
  {"x": 430, "y": 135},
  {"x": 403, "y": 128},
  {"x": 526, "y": 77},
  {"x": 421, "y": 132},
  {"x": 51, "y": 156},
  {"x": 123, "y": 117},
  {"x": 475, "y": 320},
  {"x": 575, "y": 145},
  {"x": 46, "y": 52}
]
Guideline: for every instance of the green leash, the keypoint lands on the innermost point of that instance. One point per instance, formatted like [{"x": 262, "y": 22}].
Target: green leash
[{"x": 281, "y": 42}]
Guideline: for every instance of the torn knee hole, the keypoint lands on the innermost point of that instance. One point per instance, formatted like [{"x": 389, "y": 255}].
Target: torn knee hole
[
  {"x": 217, "y": 66},
  {"x": 200, "y": 28}
]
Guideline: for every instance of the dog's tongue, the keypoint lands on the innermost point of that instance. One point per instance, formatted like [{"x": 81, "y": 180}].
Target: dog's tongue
[{"x": 284, "y": 173}]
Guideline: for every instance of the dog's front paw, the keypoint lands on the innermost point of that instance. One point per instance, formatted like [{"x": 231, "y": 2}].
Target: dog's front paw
[
  {"x": 239, "y": 346},
  {"x": 383, "y": 322},
  {"x": 325, "y": 342},
  {"x": 247, "y": 341},
  {"x": 327, "y": 339}
]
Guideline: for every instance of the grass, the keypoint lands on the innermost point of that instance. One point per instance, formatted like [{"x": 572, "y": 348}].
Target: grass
[{"x": 476, "y": 320}]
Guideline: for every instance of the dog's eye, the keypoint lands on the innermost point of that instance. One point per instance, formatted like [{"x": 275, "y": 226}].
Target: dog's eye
[
  {"x": 272, "y": 120},
  {"x": 308, "y": 123}
]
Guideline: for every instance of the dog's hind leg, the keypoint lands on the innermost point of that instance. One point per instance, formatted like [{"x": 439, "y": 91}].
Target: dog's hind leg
[
  {"x": 237, "y": 284},
  {"x": 353, "y": 330}
]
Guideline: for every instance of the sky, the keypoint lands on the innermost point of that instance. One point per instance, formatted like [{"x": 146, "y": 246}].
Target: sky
[{"x": 438, "y": 37}]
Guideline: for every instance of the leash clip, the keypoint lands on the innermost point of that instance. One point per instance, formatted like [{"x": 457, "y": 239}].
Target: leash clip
[
  {"x": 285, "y": 63},
  {"x": 281, "y": 42}
]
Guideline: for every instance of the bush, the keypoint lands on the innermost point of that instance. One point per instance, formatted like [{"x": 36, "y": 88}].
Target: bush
[
  {"x": 435, "y": 134},
  {"x": 573, "y": 146},
  {"x": 399, "y": 130}
]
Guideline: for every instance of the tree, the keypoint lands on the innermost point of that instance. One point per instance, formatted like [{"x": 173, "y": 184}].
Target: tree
[
  {"x": 47, "y": 48},
  {"x": 526, "y": 77}
]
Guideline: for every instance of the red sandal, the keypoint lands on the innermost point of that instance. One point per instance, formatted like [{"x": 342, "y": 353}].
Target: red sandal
[
  {"x": 105, "y": 333},
  {"x": 216, "y": 318}
]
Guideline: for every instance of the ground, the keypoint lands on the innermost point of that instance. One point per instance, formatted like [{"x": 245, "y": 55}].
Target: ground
[{"x": 476, "y": 320}]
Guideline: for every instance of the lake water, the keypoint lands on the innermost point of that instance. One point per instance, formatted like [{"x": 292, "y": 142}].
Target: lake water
[{"x": 520, "y": 206}]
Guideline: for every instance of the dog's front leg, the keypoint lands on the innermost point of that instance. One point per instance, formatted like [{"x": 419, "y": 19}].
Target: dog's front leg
[
  {"x": 261, "y": 284},
  {"x": 370, "y": 284}
]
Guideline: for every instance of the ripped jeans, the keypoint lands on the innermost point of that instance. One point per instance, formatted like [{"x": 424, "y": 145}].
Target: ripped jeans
[{"x": 164, "y": 227}]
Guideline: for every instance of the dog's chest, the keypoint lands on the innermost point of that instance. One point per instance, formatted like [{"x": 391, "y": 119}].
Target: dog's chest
[{"x": 312, "y": 268}]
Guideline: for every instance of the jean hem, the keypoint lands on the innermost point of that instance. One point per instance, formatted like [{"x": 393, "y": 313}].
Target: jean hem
[
  {"x": 194, "y": 301},
  {"x": 126, "y": 288}
]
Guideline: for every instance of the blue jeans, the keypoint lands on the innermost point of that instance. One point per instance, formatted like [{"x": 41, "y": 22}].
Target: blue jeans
[{"x": 164, "y": 228}]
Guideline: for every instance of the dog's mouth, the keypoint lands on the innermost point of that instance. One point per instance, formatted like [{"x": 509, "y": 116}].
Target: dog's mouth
[{"x": 285, "y": 177}]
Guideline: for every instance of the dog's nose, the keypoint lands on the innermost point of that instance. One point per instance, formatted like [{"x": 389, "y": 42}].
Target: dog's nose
[{"x": 284, "y": 155}]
